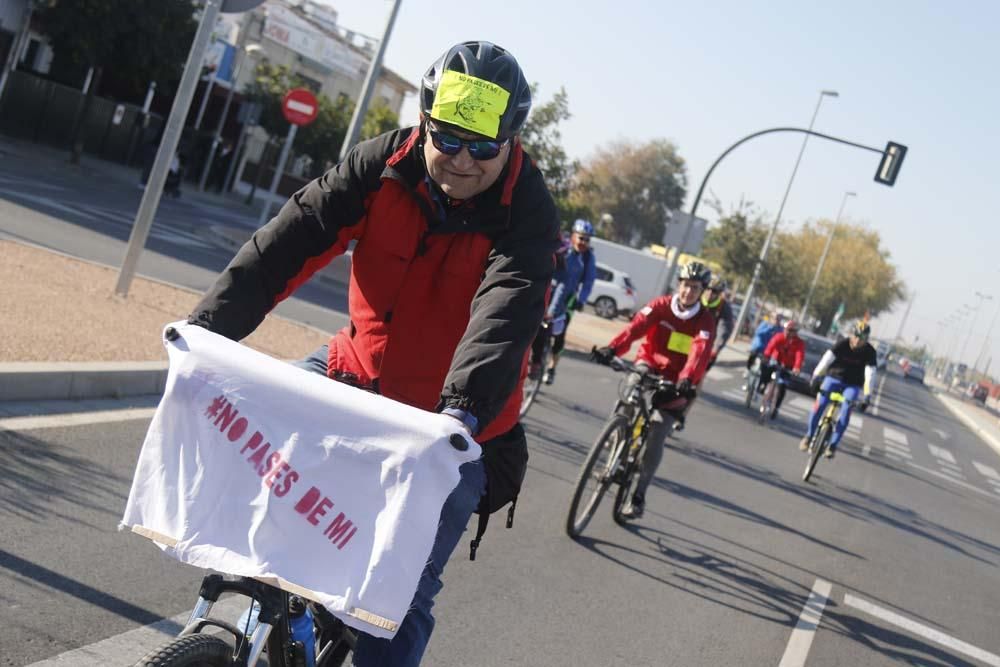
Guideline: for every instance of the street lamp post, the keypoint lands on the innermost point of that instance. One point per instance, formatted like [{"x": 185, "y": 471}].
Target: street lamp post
[
  {"x": 777, "y": 219},
  {"x": 243, "y": 52},
  {"x": 986, "y": 341},
  {"x": 822, "y": 259},
  {"x": 975, "y": 315}
]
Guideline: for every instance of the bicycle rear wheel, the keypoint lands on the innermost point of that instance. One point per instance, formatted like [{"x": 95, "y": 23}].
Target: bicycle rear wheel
[
  {"x": 596, "y": 473},
  {"x": 191, "y": 651},
  {"x": 816, "y": 449}
]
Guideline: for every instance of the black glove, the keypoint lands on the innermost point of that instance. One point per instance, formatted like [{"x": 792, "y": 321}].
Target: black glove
[
  {"x": 602, "y": 355},
  {"x": 814, "y": 385},
  {"x": 686, "y": 389},
  {"x": 578, "y": 305}
]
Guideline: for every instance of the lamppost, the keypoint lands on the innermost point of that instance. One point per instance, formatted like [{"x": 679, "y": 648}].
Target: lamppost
[
  {"x": 243, "y": 53},
  {"x": 822, "y": 259},
  {"x": 975, "y": 315},
  {"x": 777, "y": 219},
  {"x": 989, "y": 332}
]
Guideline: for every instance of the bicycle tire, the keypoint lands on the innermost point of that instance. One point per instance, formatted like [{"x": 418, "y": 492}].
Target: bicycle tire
[
  {"x": 532, "y": 387},
  {"x": 625, "y": 490},
  {"x": 196, "y": 650},
  {"x": 767, "y": 402},
  {"x": 617, "y": 425},
  {"x": 751, "y": 388},
  {"x": 817, "y": 446}
]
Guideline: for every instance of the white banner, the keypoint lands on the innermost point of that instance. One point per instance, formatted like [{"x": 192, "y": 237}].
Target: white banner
[
  {"x": 284, "y": 27},
  {"x": 257, "y": 468}
]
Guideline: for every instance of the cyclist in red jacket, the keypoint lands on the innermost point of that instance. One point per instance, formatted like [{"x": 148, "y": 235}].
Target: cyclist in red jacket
[
  {"x": 678, "y": 333},
  {"x": 785, "y": 352}
]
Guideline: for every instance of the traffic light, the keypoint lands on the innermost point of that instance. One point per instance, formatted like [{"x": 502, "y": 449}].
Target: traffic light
[{"x": 892, "y": 160}]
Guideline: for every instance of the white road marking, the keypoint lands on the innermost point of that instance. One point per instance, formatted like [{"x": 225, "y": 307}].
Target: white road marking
[
  {"x": 895, "y": 436},
  {"x": 129, "y": 647},
  {"x": 719, "y": 374},
  {"x": 74, "y": 419},
  {"x": 802, "y": 636},
  {"x": 878, "y": 397},
  {"x": 898, "y": 451},
  {"x": 966, "y": 485},
  {"x": 941, "y": 434},
  {"x": 866, "y": 450},
  {"x": 986, "y": 471},
  {"x": 47, "y": 201},
  {"x": 25, "y": 182},
  {"x": 922, "y": 630},
  {"x": 856, "y": 422},
  {"x": 941, "y": 453}
]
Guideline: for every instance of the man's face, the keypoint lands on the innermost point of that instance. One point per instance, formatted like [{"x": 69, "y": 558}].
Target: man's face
[
  {"x": 689, "y": 291},
  {"x": 580, "y": 241},
  {"x": 857, "y": 341},
  {"x": 460, "y": 176},
  {"x": 791, "y": 333},
  {"x": 711, "y": 295}
]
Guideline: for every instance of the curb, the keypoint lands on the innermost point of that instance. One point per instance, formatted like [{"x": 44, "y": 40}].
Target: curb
[
  {"x": 970, "y": 422},
  {"x": 44, "y": 381}
]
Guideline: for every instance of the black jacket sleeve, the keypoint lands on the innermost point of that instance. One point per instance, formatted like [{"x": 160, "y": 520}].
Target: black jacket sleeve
[
  {"x": 312, "y": 228},
  {"x": 508, "y": 307}
]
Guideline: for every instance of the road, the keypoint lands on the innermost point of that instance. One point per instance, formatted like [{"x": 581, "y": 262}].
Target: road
[
  {"x": 45, "y": 203},
  {"x": 897, "y": 540}
]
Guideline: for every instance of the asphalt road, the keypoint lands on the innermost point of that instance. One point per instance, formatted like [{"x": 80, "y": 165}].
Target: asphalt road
[
  {"x": 901, "y": 544},
  {"x": 88, "y": 215}
]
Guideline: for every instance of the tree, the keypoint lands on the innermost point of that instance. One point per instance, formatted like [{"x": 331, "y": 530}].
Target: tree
[
  {"x": 857, "y": 272},
  {"x": 735, "y": 241},
  {"x": 379, "y": 119},
  {"x": 635, "y": 184},
  {"x": 134, "y": 41},
  {"x": 542, "y": 140}
]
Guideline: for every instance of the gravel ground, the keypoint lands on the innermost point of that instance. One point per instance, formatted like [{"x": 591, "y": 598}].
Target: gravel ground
[{"x": 48, "y": 299}]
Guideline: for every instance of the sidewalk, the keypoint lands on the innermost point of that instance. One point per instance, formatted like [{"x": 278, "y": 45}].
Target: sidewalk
[{"x": 983, "y": 422}]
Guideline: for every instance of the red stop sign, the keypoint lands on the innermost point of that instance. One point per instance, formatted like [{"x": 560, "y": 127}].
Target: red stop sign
[{"x": 300, "y": 106}]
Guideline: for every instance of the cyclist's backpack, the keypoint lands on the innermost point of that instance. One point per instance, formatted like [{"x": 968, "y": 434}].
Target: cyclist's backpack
[{"x": 505, "y": 459}]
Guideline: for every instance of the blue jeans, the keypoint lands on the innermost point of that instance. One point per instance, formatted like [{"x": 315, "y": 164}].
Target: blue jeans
[
  {"x": 407, "y": 648},
  {"x": 849, "y": 392}
]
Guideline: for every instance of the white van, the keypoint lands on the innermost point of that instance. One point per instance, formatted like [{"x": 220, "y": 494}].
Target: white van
[{"x": 613, "y": 293}]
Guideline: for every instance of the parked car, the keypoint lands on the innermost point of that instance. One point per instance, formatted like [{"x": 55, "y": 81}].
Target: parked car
[
  {"x": 914, "y": 371},
  {"x": 978, "y": 393},
  {"x": 613, "y": 293},
  {"x": 816, "y": 345}
]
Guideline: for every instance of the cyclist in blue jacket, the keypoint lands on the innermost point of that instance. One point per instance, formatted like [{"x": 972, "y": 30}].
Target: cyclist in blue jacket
[{"x": 572, "y": 283}]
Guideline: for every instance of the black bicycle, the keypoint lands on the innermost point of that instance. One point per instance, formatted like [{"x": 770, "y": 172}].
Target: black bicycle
[
  {"x": 270, "y": 627},
  {"x": 616, "y": 456}
]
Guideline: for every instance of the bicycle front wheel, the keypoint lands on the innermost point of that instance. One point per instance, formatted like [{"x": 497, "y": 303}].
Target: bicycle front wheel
[
  {"x": 751, "y": 389},
  {"x": 532, "y": 385},
  {"x": 190, "y": 651},
  {"x": 596, "y": 473},
  {"x": 817, "y": 448}
]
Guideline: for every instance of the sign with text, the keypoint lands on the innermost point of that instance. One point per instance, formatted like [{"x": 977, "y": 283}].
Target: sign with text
[{"x": 256, "y": 468}]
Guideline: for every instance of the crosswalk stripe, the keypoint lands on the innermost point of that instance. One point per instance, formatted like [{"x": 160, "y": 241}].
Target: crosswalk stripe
[
  {"x": 987, "y": 471},
  {"x": 894, "y": 435},
  {"x": 899, "y": 452},
  {"x": 941, "y": 453},
  {"x": 719, "y": 374}
]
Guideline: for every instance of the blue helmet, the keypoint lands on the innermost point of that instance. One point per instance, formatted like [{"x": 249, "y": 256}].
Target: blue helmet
[{"x": 582, "y": 226}]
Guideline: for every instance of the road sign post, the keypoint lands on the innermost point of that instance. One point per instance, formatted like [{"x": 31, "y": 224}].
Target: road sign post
[{"x": 299, "y": 107}]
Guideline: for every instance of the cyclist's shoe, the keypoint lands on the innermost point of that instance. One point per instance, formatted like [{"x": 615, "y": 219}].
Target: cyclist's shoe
[
  {"x": 534, "y": 370},
  {"x": 774, "y": 415},
  {"x": 550, "y": 376},
  {"x": 636, "y": 508},
  {"x": 830, "y": 451},
  {"x": 804, "y": 443},
  {"x": 678, "y": 424}
]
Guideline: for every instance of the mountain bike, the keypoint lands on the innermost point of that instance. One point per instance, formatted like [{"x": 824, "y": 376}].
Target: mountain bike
[
  {"x": 276, "y": 622},
  {"x": 768, "y": 402},
  {"x": 616, "y": 456},
  {"x": 821, "y": 439}
]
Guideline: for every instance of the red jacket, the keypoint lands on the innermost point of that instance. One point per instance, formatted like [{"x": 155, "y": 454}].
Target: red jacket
[
  {"x": 676, "y": 348},
  {"x": 443, "y": 304},
  {"x": 789, "y": 352}
]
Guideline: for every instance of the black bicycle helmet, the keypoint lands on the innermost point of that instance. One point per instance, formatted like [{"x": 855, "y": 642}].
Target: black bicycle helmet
[
  {"x": 717, "y": 283},
  {"x": 489, "y": 62},
  {"x": 695, "y": 271}
]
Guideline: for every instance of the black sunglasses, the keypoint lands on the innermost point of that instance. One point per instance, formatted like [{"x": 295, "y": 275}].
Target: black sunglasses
[{"x": 479, "y": 149}]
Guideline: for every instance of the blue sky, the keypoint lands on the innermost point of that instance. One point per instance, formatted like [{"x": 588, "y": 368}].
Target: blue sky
[{"x": 704, "y": 74}]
